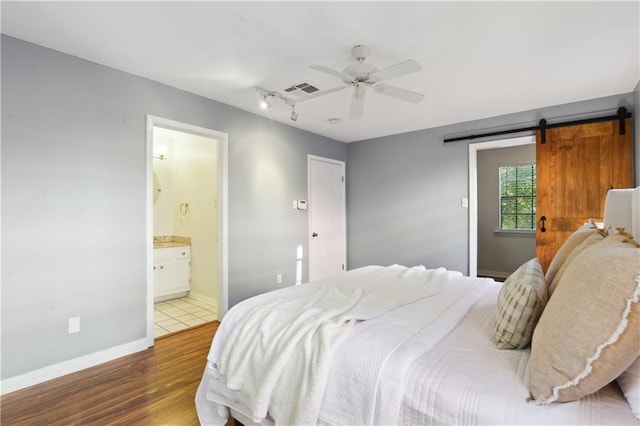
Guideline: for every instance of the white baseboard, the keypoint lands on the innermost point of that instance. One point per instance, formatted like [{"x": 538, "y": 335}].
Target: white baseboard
[
  {"x": 206, "y": 299},
  {"x": 490, "y": 273},
  {"x": 170, "y": 297},
  {"x": 71, "y": 366}
]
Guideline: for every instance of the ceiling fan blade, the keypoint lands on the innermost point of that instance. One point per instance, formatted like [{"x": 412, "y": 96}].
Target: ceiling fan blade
[
  {"x": 322, "y": 93},
  {"x": 406, "y": 67},
  {"x": 398, "y": 93},
  {"x": 342, "y": 76},
  {"x": 357, "y": 101}
]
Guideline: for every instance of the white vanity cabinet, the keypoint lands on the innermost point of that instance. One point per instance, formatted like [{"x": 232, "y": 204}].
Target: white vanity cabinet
[{"x": 171, "y": 272}]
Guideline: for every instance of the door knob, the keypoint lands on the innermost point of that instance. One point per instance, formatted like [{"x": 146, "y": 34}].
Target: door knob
[
  {"x": 315, "y": 234},
  {"x": 543, "y": 219}
]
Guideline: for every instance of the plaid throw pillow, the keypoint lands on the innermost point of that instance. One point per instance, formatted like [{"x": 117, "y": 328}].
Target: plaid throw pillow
[{"x": 520, "y": 303}]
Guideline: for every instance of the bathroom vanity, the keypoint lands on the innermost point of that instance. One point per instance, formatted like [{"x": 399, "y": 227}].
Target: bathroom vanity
[{"x": 171, "y": 267}]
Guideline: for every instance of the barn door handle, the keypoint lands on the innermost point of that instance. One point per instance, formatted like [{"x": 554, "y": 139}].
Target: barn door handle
[
  {"x": 315, "y": 234},
  {"x": 543, "y": 219}
]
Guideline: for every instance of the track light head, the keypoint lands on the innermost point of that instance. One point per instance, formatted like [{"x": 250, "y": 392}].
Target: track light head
[
  {"x": 264, "y": 103},
  {"x": 267, "y": 96}
]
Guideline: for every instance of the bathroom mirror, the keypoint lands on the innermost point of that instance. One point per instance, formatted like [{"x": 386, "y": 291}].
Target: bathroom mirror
[{"x": 156, "y": 187}]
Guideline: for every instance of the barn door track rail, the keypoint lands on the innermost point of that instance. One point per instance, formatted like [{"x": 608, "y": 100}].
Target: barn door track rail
[{"x": 621, "y": 115}]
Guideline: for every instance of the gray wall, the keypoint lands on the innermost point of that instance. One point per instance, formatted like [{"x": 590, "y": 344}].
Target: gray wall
[
  {"x": 405, "y": 190},
  {"x": 404, "y": 201},
  {"x": 501, "y": 252},
  {"x": 73, "y": 201}
]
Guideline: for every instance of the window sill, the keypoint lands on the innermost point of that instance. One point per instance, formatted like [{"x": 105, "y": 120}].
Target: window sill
[{"x": 516, "y": 232}]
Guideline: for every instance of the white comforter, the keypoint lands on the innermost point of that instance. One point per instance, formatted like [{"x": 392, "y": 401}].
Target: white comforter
[{"x": 273, "y": 354}]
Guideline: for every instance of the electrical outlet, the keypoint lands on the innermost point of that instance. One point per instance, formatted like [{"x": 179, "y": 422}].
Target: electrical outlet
[
  {"x": 74, "y": 325},
  {"x": 279, "y": 279}
]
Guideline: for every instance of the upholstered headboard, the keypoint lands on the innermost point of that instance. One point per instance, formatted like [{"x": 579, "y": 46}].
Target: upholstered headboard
[{"x": 622, "y": 208}]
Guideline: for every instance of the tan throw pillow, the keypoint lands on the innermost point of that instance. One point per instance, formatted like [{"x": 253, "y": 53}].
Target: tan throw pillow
[
  {"x": 589, "y": 332},
  {"x": 567, "y": 247},
  {"x": 593, "y": 237},
  {"x": 520, "y": 302}
]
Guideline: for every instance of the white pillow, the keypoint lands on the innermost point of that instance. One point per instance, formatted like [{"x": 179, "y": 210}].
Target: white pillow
[{"x": 629, "y": 382}]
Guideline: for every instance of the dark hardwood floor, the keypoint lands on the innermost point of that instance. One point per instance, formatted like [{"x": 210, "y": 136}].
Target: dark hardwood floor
[{"x": 152, "y": 387}]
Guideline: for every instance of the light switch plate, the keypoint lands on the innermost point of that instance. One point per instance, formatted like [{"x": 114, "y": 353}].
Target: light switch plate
[{"x": 74, "y": 325}]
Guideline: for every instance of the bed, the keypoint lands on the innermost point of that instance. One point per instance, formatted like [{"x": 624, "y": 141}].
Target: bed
[{"x": 417, "y": 346}]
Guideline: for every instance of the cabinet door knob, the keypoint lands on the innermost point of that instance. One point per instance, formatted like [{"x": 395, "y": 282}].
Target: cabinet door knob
[
  {"x": 162, "y": 267},
  {"x": 154, "y": 268}
]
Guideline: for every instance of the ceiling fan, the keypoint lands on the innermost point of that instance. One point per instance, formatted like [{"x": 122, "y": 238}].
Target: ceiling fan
[{"x": 362, "y": 75}]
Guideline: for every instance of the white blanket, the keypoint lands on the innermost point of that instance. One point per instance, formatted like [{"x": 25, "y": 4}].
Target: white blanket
[{"x": 276, "y": 360}]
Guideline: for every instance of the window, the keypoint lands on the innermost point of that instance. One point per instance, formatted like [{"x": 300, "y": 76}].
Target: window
[{"x": 518, "y": 197}]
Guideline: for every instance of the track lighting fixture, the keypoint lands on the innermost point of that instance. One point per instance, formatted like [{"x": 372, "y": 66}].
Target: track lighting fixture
[
  {"x": 264, "y": 103},
  {"x": 267, "y": 95}
]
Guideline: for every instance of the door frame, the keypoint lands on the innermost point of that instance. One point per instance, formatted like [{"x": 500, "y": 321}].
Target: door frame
[
  {"x": 341, "y": 164},
  {"x": 222, "y": 292},
  {"x": 473, "y": 189}
]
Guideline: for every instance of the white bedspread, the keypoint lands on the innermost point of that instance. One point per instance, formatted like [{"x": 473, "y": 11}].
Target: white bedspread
[
  {"x": 279, "y": 347},
  {"x": 364, "y": 375}
]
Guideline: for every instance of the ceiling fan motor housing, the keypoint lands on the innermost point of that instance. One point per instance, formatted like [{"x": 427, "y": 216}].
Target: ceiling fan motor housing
[{"x": 360, "y": 72}]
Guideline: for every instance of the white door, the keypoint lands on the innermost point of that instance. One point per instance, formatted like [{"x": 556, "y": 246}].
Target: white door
[{"x": 327, "y": 217}]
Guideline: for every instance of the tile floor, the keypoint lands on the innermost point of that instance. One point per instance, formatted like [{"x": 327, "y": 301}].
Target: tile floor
[{"x": 178, "y": 314}]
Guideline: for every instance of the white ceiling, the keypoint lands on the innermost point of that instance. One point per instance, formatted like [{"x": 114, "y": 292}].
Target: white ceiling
[{"x": 479, "y": 59}]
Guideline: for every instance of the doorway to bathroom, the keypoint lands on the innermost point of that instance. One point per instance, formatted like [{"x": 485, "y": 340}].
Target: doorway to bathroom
[{"x": 188, "y": 187}]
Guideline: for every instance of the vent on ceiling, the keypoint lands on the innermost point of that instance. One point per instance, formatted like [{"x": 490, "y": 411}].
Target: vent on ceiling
[{"x": 301, "y": 90}]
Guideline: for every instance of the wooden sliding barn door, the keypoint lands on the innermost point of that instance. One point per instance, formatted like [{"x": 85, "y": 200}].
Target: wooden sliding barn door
[{"x": 576, "y": 166}]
